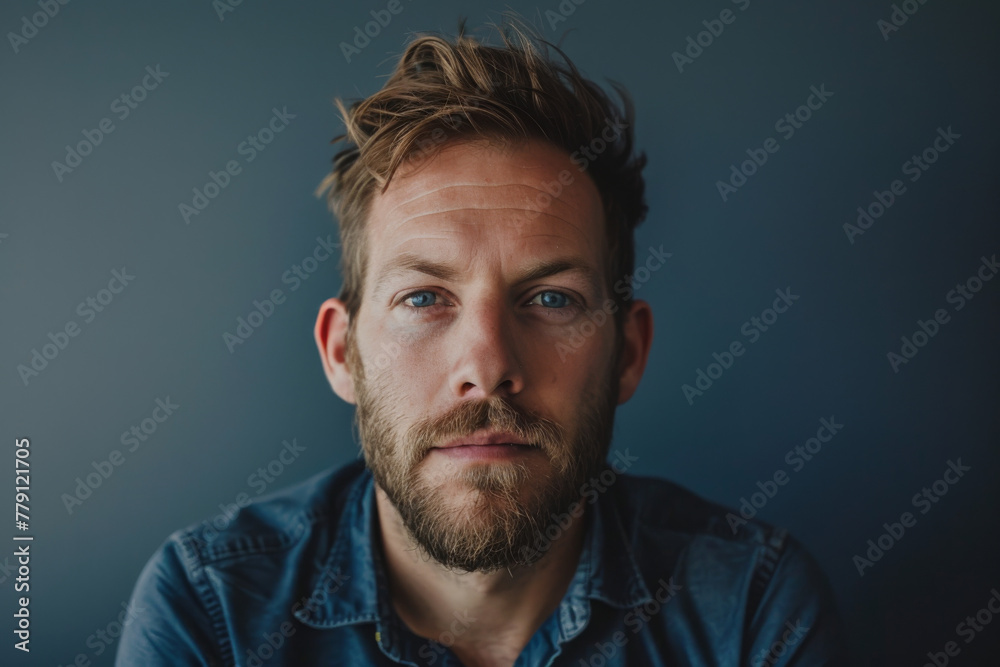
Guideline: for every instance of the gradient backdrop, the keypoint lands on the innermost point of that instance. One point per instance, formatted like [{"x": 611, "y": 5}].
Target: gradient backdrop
[{"x": 223, "y": 70}]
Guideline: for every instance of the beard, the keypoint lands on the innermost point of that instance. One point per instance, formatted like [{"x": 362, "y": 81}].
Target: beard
[{"x": 488, "y": 516}]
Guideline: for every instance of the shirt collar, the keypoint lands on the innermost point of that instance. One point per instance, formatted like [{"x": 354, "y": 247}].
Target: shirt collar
[
  {"x": 351, "y": 587},
  {"x": 614, "y": 576},
  {"x": 353, "y": 563},
  {"x": 607, "y": 570}
]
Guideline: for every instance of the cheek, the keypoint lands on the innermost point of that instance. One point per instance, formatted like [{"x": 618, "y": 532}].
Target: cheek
[
  {"x": 562, "y": 378},
  {"x": 404, "y": 356},
  {"x": 581, "y": 349}
]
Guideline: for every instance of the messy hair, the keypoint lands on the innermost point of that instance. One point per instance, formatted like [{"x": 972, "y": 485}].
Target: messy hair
[{"x": 442, "y": 90}]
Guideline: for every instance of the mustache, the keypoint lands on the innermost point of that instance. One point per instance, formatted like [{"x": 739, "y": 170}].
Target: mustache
[{"x": 497, "y": 414}]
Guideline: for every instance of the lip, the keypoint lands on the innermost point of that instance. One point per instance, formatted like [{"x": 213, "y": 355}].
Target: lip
[
  {"x": 486, "y": 452},
  {"x": 480, "y": 438}
]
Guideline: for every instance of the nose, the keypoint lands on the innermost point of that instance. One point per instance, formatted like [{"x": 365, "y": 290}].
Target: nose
[{"x": 486, "y": 347}]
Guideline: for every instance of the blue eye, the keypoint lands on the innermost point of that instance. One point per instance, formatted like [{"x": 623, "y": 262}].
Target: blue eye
[
  {"x": 551, "y": 299},
  {"x": 421, "y": 299}
]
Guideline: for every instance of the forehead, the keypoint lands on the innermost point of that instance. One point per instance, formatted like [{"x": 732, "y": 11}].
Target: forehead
[{"x": 477, "y": 199}]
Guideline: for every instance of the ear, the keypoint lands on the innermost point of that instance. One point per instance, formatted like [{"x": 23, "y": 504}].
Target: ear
[
  {"x": 331, "y": 339},
  {"x": 638, "y": 335}
]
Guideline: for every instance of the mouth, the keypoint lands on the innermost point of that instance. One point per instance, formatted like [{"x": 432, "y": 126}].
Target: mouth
[
  {"x": 487, "y": 439},
  {"x": 498, "y": 446},
  {"x": 497, "y": 451}
]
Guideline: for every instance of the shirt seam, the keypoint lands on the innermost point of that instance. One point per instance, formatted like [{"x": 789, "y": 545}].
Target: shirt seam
[
  {"x": 211, "y": 603},
  {"x": 774, "y": 547}
]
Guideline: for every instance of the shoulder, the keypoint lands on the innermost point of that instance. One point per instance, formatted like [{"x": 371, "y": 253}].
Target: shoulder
[
  {"x": 278, "y": 522},
  {"x": 712, "y": 546},
  {"x": 660, "y": 506},
  {"x": 735, "y": 577},
  {"x": 238, "y": 560}
]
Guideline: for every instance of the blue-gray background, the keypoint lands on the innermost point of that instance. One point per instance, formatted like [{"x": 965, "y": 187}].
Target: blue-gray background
[{"x": 162, "y": 336}]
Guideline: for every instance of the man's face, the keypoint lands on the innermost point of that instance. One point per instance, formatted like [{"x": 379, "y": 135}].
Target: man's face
[{"x": 453, "y": 352}]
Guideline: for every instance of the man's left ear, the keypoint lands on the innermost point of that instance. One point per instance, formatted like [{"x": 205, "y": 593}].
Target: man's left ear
[{"x": 637, "y": 332}]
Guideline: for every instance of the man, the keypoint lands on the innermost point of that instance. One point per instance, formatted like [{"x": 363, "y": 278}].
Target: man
[{"x": 486, "y": 331}]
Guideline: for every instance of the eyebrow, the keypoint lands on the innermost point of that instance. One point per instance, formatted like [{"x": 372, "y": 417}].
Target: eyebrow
[{"x": 408, "y": 262}]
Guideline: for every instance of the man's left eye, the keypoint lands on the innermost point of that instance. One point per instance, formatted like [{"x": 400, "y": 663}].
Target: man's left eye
[{"x": 551, "y": 299}]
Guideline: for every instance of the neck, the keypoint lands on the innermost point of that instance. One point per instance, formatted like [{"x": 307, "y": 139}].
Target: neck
[{"x": 486, "y": 619}]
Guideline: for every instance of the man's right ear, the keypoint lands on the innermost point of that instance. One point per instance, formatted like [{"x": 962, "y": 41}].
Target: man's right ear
[{"x": 331, "y": 339}]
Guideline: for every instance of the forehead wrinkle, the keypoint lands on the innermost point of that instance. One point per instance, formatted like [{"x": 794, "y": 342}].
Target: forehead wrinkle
[
  {"x": 401, "y": 221},
  {"x": 455, "y": 185},
  {"x": 394, "y": 228},
  {"x": 530, "y": 199},
  {"x": 435, "y": 206}
]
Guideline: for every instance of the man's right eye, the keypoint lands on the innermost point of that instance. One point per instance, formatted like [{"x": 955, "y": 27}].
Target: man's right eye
[{"x": 421, "y": 299}]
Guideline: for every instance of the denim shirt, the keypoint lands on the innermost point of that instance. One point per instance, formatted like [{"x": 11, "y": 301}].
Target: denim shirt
[{"x": 663, "y": 579}]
